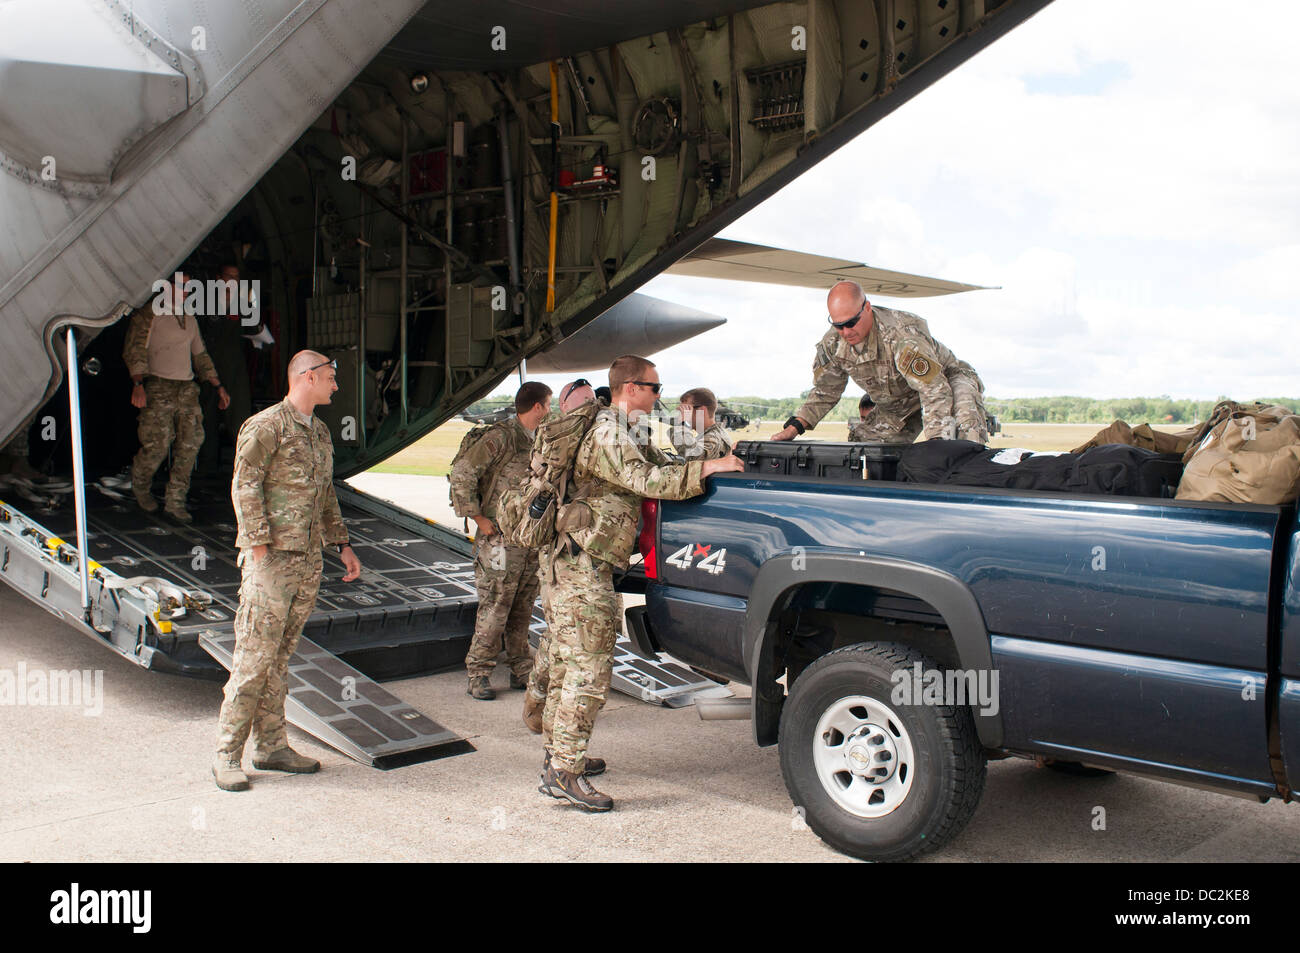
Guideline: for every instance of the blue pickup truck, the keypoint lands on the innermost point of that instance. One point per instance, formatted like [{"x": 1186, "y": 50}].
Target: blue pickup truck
[{"x": 897, "y": 636}]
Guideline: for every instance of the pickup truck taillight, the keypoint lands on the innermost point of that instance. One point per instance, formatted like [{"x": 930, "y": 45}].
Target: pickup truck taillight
[{"x": 645, "y": 542}]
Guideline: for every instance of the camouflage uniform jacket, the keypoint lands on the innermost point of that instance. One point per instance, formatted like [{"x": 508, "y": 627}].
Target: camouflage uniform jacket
[
  {"x": 712, "y": 444},
  {"x": 613, "y": 473},
  {"x": 858, "y": 431},
  {"x": 283, "y": 489},
  {"x": 900, "y": 365},
  {"x": 498, "y": 461},
  {"x": 135, "y": 352}
]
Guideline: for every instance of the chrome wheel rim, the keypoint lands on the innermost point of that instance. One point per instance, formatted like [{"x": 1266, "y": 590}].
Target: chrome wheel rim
[{"x": 863, "y": 756}]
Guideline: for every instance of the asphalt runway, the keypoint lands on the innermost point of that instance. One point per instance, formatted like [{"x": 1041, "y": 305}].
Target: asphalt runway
[{"x": 133, "y": 783}]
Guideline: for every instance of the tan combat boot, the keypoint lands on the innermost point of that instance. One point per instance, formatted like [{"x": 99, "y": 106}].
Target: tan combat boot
[
  {"x": 145, "y": 500},
  {"x": 286, "y": 759},
  {"x": 480, "y": 688},
  {"x": 574, "y": 788},
  {"x": 177, "y": 511},
  {"x": 518, "y": 683},
  {"x": 533, "y": 708},
  {"x": 230, "y": 776}
]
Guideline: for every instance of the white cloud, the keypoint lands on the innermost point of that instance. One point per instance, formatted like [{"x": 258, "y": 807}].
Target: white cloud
[{"x": 1140, "y": 210}]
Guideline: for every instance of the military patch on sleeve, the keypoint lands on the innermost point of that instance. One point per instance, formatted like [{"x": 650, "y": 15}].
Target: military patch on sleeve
[
  {"x": 822, "y": 357},
  {"x": 914, "y": 364}
]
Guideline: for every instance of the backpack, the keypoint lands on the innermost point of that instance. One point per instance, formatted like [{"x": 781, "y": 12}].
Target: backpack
[
  {"x": 1251, "y": 456},
  {"x": 467, "y": 443},
  {"x": 533, "y": 512},
  {"x": 476, "y": 433}
]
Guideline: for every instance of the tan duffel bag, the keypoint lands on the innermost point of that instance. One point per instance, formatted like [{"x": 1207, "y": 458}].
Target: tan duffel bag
[
  {"x": 1249, "y": 457},
  {"x": 1141, "y": 436}
]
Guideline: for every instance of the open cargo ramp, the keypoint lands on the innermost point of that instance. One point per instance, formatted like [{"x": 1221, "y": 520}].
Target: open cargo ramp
[{"x": 332, "y": 701}]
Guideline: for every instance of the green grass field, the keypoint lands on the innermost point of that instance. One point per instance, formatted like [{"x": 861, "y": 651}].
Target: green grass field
[{"x": 432, "y": 453}]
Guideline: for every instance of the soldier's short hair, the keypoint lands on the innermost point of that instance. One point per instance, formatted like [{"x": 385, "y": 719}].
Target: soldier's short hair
[
  {"x": 530, "y": 395},
  {"x": 627, "y": 368},
  {"x": 700, "y": 397},
  {"x": 866, "y": 403},
  {"x": 303, "y": 360}
]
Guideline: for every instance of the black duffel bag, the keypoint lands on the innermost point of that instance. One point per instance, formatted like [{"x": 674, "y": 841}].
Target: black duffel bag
[{"x": 1114, "y": 469}]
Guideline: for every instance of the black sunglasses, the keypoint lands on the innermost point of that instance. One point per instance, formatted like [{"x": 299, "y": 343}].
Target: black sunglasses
[
  {"x": 334, "y": 364},
  {"x": 653, "y": 385},
  {"x": 851, "y": 321},
  {"x": 580, "y": 382}
]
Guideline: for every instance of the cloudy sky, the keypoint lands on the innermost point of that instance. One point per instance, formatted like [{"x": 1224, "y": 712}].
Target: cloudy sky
[{"x": 1126, "y": 172}]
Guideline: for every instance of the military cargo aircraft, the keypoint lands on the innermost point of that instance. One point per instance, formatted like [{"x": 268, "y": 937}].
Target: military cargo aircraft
[{"x": 432, "y": 193}]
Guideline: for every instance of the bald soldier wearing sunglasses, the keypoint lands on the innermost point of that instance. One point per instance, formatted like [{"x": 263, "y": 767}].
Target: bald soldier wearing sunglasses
[
  {"x": 283, "y": 493},
  {"x": 917, "y": 384}
]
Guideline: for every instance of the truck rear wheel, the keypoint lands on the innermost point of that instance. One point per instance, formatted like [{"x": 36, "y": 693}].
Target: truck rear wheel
[{"x": 876, "y": 779}]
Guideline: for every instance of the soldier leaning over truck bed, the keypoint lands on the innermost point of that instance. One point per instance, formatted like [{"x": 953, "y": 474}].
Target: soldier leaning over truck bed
[
  {"x": 506, "y": 575},
  {"x": 918, "y": 386}
]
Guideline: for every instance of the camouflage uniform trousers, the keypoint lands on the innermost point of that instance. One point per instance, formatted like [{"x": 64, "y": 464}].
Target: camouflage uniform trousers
[
  {"x": 276, "y": 596},
  {"x": 507, "y": 582},
  {"x": 539, "y": 679},
  {"x": 968, "y": 421},
  {"x": 582, "y": 650},
  {"x": 882, "y": 427},
  {"x": 171, "y": 419}
]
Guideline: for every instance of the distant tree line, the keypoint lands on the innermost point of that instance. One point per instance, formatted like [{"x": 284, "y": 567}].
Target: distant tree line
[
  {"x": 1135, "y": 410},
  {"x": 1044, "y": 410},
  {"x": 1047, "y": 410}
]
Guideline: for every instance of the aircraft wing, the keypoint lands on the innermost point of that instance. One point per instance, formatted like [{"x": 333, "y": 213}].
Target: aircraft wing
[{"x": 742, "y": 261}]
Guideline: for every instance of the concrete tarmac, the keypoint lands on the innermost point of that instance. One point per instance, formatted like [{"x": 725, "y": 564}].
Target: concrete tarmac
[{"x": 133, "y": 783}]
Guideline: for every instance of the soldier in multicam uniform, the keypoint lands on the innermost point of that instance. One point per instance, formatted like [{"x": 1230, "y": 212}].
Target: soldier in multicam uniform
[
  {"x": 506, "y": 576},
  {"x": 701, "y": 437},
  {"x": 283, "y": 492},
  {"x": 161, "y": 343},
  {"x": 613, "y": 472},
  {"x": 918, "y": 385},
  {"x": 860, "y": 429},
  {"x": 572, "y": 395}
]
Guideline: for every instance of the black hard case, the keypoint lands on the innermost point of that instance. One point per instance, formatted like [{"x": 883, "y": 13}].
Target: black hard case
[{"x": 823, "y": 461}]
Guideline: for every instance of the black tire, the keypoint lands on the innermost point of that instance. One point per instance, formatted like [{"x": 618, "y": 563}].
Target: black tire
[
  {"x": 949, "y": 763},
  {"x": 1075, "y": 769}
]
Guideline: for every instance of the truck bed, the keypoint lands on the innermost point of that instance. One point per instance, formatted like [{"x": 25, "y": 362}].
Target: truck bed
[{"x": 1125, "y": 629}]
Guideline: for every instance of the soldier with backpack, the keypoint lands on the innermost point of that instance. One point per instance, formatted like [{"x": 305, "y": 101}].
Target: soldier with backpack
[
  {"x": 572, "y": 396},
  {"x": 488, "y": 463},
  {"x": 594, "y": 525}
]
